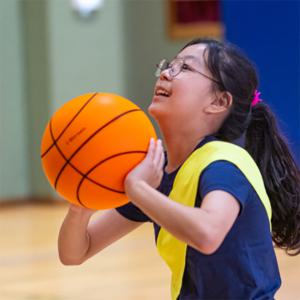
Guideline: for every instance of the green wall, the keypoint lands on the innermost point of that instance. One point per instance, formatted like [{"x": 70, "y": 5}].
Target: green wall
[
  {"x": 51, "y": 55},
  {"x": 85, "y": 54},
  {"x": 66, "y": 56},
  {"x": 14, "y": 162},
  {"x": 37, "y": 89},
  {"x": 146, "y": 44}
]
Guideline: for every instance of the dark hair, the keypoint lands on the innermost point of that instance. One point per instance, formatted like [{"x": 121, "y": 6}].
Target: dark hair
[{"x": 263, "y": 139}]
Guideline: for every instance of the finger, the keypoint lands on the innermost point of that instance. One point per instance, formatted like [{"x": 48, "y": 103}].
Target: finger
[
  {"x": 161, "y": 161},
  {"x": 151, "y": 148},
  {"x": 157, "y": 153}
]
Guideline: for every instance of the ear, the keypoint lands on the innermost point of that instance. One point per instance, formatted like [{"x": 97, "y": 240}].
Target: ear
[{"x": 221, "y": 103}]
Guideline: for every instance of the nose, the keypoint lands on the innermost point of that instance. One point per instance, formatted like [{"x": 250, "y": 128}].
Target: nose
[{"x": 165, "y": 75}]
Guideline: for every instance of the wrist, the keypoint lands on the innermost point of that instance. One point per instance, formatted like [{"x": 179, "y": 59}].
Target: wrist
[
  {"x": 133, "y": 188},
  {"x": 80, "y": 212}
]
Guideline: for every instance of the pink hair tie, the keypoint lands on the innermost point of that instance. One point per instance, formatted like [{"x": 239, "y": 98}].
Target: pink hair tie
[{"x": 256, "y": 98}]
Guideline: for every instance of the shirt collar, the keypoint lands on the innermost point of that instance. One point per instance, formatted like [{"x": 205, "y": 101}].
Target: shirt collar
[{"x": 206, "y": 139}]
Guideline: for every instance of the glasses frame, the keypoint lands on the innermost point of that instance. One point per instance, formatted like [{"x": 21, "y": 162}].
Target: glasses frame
[{"x": 166, "y": 65}]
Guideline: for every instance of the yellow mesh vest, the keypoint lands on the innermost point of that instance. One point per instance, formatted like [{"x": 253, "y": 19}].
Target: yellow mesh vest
[{"x": 184, "y": 191}]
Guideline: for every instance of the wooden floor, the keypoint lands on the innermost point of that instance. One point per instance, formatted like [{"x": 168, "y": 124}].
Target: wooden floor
[{"x": 130, "y": 269}]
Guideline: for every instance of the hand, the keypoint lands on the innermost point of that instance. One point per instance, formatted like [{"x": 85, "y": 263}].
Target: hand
[
  {"x": 80, "y": 210},
  {"x": 150, "y": 170}
]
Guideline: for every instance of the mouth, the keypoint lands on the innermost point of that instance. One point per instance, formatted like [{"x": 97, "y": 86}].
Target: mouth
[{"x": 162, "y": 92}]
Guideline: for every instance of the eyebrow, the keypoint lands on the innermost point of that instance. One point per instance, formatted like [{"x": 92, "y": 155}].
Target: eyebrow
[
  {"x": 187, "y": 56},
  {"x": 196, "y": 59}
]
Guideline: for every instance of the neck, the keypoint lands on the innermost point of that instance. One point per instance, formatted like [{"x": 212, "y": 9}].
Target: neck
[
  {"x": 180, "y": 141},
  {"x": 179, "y": 148}
]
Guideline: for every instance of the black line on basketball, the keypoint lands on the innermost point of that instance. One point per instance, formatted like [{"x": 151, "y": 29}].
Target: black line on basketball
[
  {"x": 83, "y": 144},
  {"x": 67, "y": 126},
  {"x": 96, "y": 166},
  {"x": 79, "y": 172},
  {"x": 85, "y": 175}
]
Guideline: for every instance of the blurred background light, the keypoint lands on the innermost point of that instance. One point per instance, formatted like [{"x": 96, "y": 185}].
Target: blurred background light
[{"x": 86, "y": 7}]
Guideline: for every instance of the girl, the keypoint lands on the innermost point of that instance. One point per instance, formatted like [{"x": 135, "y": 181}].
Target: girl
[{"x": 226, "y": 187}]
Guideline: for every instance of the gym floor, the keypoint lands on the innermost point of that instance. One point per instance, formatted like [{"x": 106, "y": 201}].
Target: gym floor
[{"x": 129, "y": 269}]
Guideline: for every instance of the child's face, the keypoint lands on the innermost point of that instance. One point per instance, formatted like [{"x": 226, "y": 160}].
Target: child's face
[{"x": 183, "y": 98}]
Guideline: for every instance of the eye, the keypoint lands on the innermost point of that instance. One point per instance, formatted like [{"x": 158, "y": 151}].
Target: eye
[{"x": 186, "y": 67}]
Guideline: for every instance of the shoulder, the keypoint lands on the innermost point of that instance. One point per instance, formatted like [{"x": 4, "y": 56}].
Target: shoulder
[{"x": 224, "y": 175}]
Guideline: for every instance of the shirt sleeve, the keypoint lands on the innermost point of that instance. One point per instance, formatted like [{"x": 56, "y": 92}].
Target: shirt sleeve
[
  {"x": 225, "y": 176},
  {"x": 133, "y": 213}
]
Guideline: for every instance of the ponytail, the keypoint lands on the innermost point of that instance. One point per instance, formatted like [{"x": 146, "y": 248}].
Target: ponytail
[
  {"x": 281, "y": 176},
  {"x": 235, "y": 73}
]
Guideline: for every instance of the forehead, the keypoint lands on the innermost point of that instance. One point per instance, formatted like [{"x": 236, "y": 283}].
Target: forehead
[{"x": 194, "y": 53}]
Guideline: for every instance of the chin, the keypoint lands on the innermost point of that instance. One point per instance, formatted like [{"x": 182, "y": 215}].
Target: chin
[
  {"x": 154, "y": 111},
  {"x": 159, "y": 115},
  {"x": 151, "y": 108}
]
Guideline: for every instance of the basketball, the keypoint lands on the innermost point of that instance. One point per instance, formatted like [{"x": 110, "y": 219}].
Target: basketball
[{"x": 89, "y": 146}]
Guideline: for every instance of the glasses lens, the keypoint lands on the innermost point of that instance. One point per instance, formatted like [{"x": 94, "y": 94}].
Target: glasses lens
[
  {"x": 175, "y": 67},
  {"x": 163, "y": 65}
]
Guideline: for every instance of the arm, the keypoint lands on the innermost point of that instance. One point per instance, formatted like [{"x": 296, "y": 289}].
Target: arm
[
  {"x": 202, "y": 228},
  {"x": 79, "y": 239}
]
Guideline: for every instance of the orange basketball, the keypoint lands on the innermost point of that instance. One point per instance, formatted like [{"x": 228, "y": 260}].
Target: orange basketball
[{"x": 90, "y": 144}]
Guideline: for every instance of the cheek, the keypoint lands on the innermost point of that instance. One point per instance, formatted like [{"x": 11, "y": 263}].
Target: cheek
[
  {"x": 193, "y": 100},
  {"x": 192, "y": 86},
  {"x": 188, "y": 95}
]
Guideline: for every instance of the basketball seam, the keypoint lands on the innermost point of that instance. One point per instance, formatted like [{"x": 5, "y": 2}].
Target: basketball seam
[
  {"x": 86, "y": 141},
  {"x": 70, "y": 122},
  {"x": 97, "y": 165},
  {"x": 68, "y": 160}
]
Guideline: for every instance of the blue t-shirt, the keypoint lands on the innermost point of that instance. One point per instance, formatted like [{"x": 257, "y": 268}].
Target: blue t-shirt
[{"x": 244, "y": 266}]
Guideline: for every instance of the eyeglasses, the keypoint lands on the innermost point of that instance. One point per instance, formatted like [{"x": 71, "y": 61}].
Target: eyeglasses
[{"x": 176, "y": 66}]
